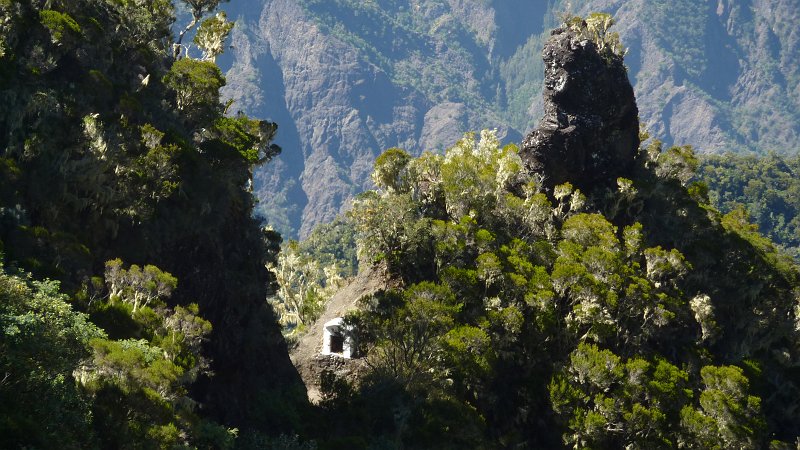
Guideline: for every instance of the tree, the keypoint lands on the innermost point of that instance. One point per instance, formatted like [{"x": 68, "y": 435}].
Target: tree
[
  {"x": 196, "y": 86},
  {"x": 137, "y": 286},
  {"x": 390, "y": 170},
  {"x": 609, "y": 402},
  {"x": 677, "y": 162},
  {"x": 211, "y": 36},
  {"x": 304, "y": 286},
  {"x": 605, "y": 315},
  {"x": 411, "y": 341},
  {"x": 595, "y": 28},
  {"x": 389, "y": 229},
  {"x": 42, "y": 342},
  {"x": 622, "y": 300},
  {"x": 767, "y": 187},
  {"x": 476, "y": 173},
  {"x": 139, "y": 383},
  {"x": 198, "y": 8},
  {"x": 728, "y": 416},
  {"x": 186, "y": 331}
]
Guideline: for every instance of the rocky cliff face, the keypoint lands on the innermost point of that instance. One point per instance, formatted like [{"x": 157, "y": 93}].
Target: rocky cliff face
[
  {"x": 720, "y": 75},
  {"x": 347, "y": 79},
  {"x": 336, "y": 108},
  {"x": 589, "y": 134}
]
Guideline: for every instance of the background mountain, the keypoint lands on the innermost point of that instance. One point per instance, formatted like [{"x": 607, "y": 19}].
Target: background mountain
[{"x": 347, "y": 79}]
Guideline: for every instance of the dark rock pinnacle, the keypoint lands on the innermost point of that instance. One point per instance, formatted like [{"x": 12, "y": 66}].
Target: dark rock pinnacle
[{"x": 589, "y": 134}]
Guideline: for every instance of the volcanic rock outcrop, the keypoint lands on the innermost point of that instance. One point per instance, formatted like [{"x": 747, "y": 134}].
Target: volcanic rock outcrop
[{"x": 589, "y": 134}]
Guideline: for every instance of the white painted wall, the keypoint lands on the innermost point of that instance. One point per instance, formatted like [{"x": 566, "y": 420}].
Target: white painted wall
[{"x": 336, "y": 327}]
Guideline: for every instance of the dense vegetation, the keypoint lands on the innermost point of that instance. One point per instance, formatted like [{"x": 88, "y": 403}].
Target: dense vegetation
[
  {"x": 133, "y": 280},
  {"x": 305, "y": 284},
  {"x": 767, "y": 187},
  {"x": 122, "y": 177},
  {"x": 637, "y": 317}
]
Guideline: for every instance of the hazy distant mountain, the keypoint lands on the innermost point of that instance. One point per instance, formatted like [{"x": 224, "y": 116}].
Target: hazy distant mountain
[{"x": 346, "y": 79}]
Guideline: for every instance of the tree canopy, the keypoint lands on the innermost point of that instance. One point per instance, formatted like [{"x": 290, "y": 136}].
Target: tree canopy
[
  {"x": 125, "y": 180},
  {"x": 767, "y": 187},
  {"x": 627, "y": 317}
]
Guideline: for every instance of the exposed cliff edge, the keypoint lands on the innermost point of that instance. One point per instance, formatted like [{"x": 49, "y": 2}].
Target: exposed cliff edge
[{"x": 589, "y": 134}]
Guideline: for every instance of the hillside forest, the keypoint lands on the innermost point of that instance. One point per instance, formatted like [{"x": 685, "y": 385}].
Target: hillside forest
[
  {"x": 133, "y": 279},
  {"x": 143, "y": 304}
]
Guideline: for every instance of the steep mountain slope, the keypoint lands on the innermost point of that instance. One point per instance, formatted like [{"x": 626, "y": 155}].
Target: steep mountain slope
[
  {"x": 342, "y": 99},
  {"x": 347, "y": 79},
  {"x": 719, "y": 75},
  {"x": 122, "y": 179},
  {"x": 628, "y": 313},
  {"x": 767, "y": 187}
]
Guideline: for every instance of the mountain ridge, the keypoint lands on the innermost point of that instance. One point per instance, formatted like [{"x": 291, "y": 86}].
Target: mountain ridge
[{"x": 417, "y": 74}]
